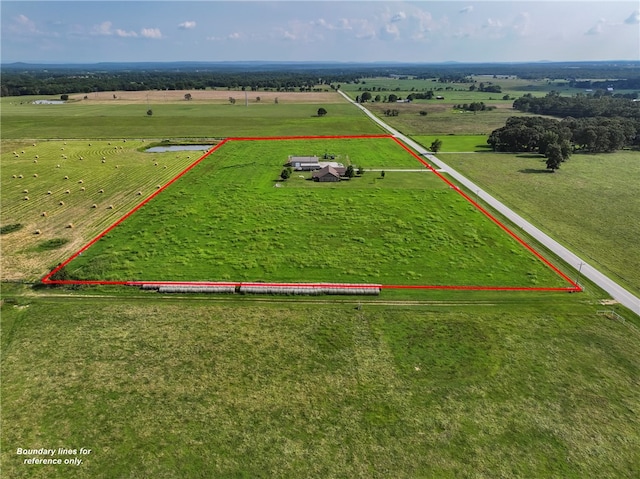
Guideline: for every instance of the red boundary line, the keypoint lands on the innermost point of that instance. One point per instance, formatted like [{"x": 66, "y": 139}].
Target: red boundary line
[{"x": 47, "y": 279}]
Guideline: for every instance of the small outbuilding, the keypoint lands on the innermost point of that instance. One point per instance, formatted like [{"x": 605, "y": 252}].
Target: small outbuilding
[{"x": 303, "y": 163}]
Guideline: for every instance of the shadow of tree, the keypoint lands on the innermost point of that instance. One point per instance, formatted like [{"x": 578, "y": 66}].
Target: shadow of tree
[{"x": 533, "y": 170}]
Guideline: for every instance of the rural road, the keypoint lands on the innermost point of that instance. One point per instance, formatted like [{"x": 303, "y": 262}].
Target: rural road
[{"x": 616, "y": 291}]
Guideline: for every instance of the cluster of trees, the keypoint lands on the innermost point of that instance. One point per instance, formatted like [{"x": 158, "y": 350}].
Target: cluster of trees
[
  {"x": 558, "y": 139},
  {"x": 474, "y": 106},
  {"x": 391, "y": 112},
  {"x": 579, "y": 106},
  {"x": 490, "y": 88}
]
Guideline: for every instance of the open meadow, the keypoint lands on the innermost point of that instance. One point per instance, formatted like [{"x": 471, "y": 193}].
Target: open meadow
[
  {"x": 231, "y": 219},
  {"x": 437, "y": 383}
]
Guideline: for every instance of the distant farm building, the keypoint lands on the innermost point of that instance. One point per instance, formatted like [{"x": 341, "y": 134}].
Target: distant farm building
[
  {"x": 326, "y": 174},
  {"x": 304, "y": 163}
]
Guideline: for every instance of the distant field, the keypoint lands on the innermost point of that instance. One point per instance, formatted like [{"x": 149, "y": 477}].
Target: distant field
[
  {"x": 183, "y": 119},
  {"x": 190, "y": 388},
  {"x": 455, "y": 143},
  {"x": 591, "y": 204},
  {"x": 226, "y": 221}
]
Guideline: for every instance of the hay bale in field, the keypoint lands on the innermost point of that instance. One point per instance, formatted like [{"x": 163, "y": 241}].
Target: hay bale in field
[
  {"x": 165, "y": 167},
  {"x": 81, "y": 158},
  {"x": 44, "y": 213},
  {"x": 94, "y": 205},
  {"x": 117, "y": 167},
  {"x": 82, "y": 188},
  {"x": 34, "y": 144},
  {"x": 26, "y": 198},
  {"x": 57, "y": 166},
  {"x": 36, "y": 232},
  {"x": 66, "y": 177},
  {"x": 22, "y": 152},
  {"x": 61, "y": 203},
  {"x": 104, "y": 161},
  {"x": 48, "y": 192},
  {"x": 110, "y": 207},
  {"x": 20, "y": 176},
  {"x": 101, "y": 191},
  {"x": 70, "y": 225},
  {"x": 158, "y": 187},
  {"x": 80, "y": 181},
  {"x": 14, "y": 176},
  {"x": 35, "y": 161},
  {"x": 139, "y": 193},
  {"x": 67, "y": 192},
  {"x": 155, "y": 164},
  {"x": 35, "y": 175},
  {"x": 104, "y": 157},
  {"x": 25, "y": 191}
]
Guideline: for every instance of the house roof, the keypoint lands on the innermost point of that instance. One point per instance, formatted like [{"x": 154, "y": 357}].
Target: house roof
[
  {"x": 303, "y": 159},
  {"x": 327, "y": 170}
]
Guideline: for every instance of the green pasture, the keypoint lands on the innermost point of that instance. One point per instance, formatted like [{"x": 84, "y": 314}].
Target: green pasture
[
  {"x": 455, "y": 143},
  {"x": 23, "y": 119},
  {"x": 188, "y": 388},
  {"x": 591, "y": 204},
  {"x": 51, "y": 187},
  {"x": 231, "y": 219}
]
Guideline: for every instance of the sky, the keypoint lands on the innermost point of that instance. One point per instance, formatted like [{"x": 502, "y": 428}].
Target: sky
[{"x": 322, "y": 30}]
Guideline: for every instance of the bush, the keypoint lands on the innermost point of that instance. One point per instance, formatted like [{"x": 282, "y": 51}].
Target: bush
[{"x": 6, "y": 229}]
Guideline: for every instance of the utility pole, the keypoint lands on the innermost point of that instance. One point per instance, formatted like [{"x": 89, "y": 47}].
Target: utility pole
[{"x": 579, "y": 271}]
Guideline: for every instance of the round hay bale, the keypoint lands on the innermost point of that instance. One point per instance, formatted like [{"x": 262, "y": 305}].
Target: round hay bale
[
  {"x": 165, "y": 167},
  {"x": 101, "y": 191},
  {"x": 14, "y": 176},
  {"x": 34, "y": 144},
  {"x": 67, "y": 192},
  {"x": 89, "y": 144},
  {"x": 82, "y": 189},
  {"x": 61, "y": 203},
  {"x": 155, "y": 164},
  {"x": 35, "y": 175},
  {"x": 25, "y": 191},
  {"x": 36, "y": 232},
  {"x": 94, "y": 205},
  {"x": 80, "y": 181},
  {"x": 35, "y": 161},
  {"x": 20, "y": 176},
  {"x": 48, "y": 192},
  {"x": 110, "y": 207},
  {"x": 37, "y": 157},
  {"x": 82, "y": 157},
  {"x": 104, "y": 157},
  {"x": 109, "y": 143},
  {"x": 117, "y": 167},
  {"x": 70, "y": 225},
  {"x": 66, "y": 177},
  {"x": 139, "y": 193},
  {"x": 158, "y": 187},
  {"x": 104, "y": 161},
  {"x": 57, "y": 166},
  {"x": 26, "y": 198},
  {"x": 22, "y": 152},
  {"x": 44, "y": 213}
]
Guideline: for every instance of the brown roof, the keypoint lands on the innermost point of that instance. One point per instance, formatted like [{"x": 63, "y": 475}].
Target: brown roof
[{"x": 327, "y": 170}]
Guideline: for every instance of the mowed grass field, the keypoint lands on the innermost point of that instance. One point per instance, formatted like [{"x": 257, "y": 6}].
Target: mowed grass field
[
  {"x": 65, "y": 192},
  {"x": 230, "y": 219},
  {"x": 180, "y": 119},
  {"x": 188, "y": 388},
  {"x": 591, "y": 204}
]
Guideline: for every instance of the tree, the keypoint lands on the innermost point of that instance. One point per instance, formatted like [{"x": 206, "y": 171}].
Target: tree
[
  {"x": 436, "y": 145},
  {"x": 554, "y": 156},
  {"x": 366, "y": 96},
  {"x": 377, "y": 98},
  {"x": 64, "y": 97},
  {"x": 382, "y": 174},
  {"x": 322, "y": 111},
  {"x": 149, "y": 112},
  {"x": 187, "y": 96},
  {"x": 350, "y": 172},
  {"x": 285, "y": 174},
  {"x": 393, "y": 98}
]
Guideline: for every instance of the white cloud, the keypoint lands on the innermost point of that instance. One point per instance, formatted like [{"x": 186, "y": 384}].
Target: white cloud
[
  {"x": 235, "y": 36},
  {"x": 125, "y": 34},
  {"x": 598, "y": 28},
  {"x": 633, "y": 19},
  {"x": 188, "y": 25},
  {"x": 491, "y": 23},
  {"x": 398, "y": 17},
  {"x": 521, "y": 25},
  {"x": 103, "y": 29},
  {"x": 468, "y": 9},
  {"x": 390, "y": 32},
  {"x": 151, "y": 33}
]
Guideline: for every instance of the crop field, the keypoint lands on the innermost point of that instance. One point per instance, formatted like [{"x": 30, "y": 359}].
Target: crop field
[
  {"x": 122, "y": 118},
  {"x": 64, "y": 192},
  {"x": 187, "y": 388},
  {"x": 230, "y": 219},
  {"x": 591, "y": 204}
]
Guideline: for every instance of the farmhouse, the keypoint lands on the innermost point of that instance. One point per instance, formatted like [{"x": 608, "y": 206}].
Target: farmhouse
[{"x": 326, "y": 174}]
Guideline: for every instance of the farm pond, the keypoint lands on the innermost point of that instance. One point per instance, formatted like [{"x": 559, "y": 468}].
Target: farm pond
[{"x": 165, "y": 149}]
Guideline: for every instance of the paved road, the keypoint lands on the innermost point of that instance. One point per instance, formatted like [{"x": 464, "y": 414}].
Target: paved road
[{"x": 616, "y": 291}]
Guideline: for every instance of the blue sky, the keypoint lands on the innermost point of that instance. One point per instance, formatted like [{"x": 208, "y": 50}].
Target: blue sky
[{"x": 363, "y": 31}]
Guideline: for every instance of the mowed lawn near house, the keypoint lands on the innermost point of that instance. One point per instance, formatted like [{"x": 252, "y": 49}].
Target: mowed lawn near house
[
  {"x": 591, "y": 204},
  {"x": 128, "y": 118},
  {"x": 189, "y": 388},
  {"x": 231, "y": 218}
]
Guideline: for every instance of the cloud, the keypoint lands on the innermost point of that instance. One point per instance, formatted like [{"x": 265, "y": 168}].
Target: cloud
[
  {"x": 125, "y": 34},
  {"x": 390, "y": 32},
  {"x": 235, "y": 36},
  {"x": 24, "y": 25},
  {"x": 468, "y": 9},
  {"x": 103, "y": 29},
  {"x": 188, "y": 25},
  {"x": 151, "y": 33},
  {"x": 633, "y": 19},
  {"x": 598, "y": 28},
  {"x": 398, "y": 17},
  {"x": 491, "y": 23}
]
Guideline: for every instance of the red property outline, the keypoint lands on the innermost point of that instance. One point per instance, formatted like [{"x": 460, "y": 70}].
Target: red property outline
[{"x": 574, "y": 286}]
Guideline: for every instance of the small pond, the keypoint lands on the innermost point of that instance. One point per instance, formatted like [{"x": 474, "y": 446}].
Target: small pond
[{"x": 165, "y": 149}]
